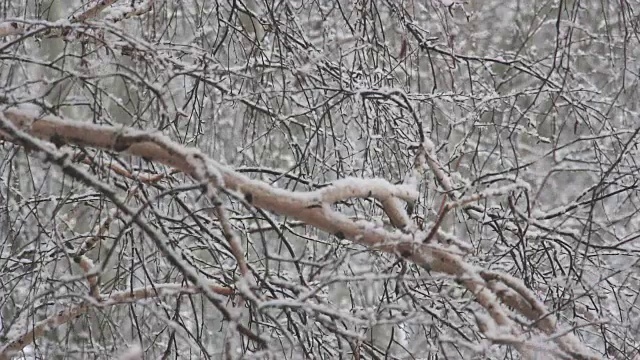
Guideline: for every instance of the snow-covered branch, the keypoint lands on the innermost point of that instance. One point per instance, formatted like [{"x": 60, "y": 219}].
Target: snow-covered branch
[{"x": 312, "y": 208}]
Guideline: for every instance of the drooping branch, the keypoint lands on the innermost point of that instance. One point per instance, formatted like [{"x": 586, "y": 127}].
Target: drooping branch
[{"x": 312, "y": 208}]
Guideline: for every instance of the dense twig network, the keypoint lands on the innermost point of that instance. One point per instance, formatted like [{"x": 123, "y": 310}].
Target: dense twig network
[{"x": 319, "y": 179}]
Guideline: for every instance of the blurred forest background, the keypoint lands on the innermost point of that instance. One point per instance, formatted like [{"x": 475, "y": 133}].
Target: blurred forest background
[{"x": 502, "y": 223}]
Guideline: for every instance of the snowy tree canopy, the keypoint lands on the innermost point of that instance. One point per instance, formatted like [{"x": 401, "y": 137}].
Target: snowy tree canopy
[{"x": 366, "y": 179}]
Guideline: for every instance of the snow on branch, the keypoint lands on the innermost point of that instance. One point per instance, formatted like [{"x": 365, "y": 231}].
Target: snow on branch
[
  {"x": 93, "y": 11},
  {"x": 52, "y": 29},
  {"x": 8, "y": 28},
  {"x": 117, "y": 298},
  {"x": 491, "y": 291}
]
